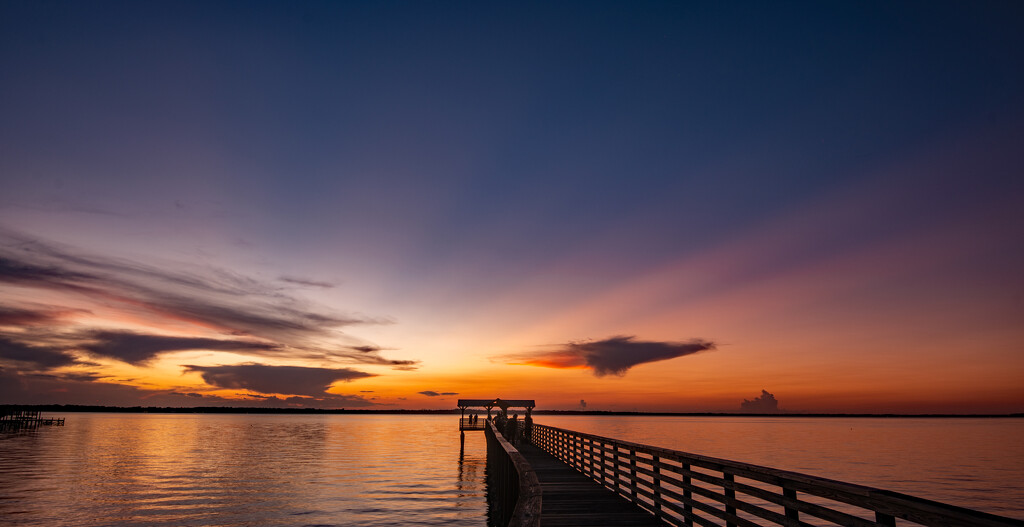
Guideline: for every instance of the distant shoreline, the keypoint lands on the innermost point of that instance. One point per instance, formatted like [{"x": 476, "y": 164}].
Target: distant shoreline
[{"x": 359, "y": 411}]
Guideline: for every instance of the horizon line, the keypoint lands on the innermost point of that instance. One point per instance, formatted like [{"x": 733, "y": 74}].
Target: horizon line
[{"x": 271, "y": 410}]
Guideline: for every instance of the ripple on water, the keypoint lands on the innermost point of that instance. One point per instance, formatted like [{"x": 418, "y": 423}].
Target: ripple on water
[{"x": 104, "y": 469}]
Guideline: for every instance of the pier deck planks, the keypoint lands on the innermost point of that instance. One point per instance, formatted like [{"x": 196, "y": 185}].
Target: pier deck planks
[{"x": 573, "y": 500}]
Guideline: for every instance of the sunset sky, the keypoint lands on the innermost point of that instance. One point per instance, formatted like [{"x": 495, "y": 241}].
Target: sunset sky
[{"x": 655, "y": 206}]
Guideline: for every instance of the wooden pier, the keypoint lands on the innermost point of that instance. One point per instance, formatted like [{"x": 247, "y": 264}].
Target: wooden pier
[
  {"x": 477, "y": 421},
  {"x": 686, "y": 489},
  {"x": 472, "y": 423},
  {"x": 550, "y": 476},
  {"x": 571, "y": 499},
  {"x": 13, "y": 418}
]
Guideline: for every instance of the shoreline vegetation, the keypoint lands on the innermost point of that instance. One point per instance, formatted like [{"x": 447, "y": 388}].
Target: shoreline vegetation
[{"x": 364, "y": 411}]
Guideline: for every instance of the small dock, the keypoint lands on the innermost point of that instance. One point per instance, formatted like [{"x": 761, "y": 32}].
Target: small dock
[{"x": 14, "y": 419}]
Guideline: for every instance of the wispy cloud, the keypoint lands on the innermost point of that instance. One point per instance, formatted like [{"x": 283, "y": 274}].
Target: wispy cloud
[
  {"x": 33, "y": 357},
  {"x": 213, "y": 297},
  {"x": 137, "y": 348},
  {"x": 370, "y": 354},
  {"x": 432, "y": 393},
  {"x": 42, "y": 388},
  {"x": 330, "y": 400},
  {"x": 263, "y": 378},
  {"x": 256, "y": 318},
  {"x": 306, "y": 282},
  {"x": 611, "y": 356},
  {"x": 31, "y": 315}
]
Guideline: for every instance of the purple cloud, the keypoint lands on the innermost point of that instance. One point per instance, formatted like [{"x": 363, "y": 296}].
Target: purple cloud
[
  {"x": 263, "y": 378},
  {"x": 611, "y": 356}
]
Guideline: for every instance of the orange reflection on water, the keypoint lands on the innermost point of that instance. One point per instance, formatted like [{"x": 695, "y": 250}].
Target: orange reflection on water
[{"x": 139, "y": 469}]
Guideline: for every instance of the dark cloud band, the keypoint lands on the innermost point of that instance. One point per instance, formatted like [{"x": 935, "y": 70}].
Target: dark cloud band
[
  {"x": 288, "y": 380},
  {"x": 612, "y": 356},
  {"x": 35, "y": 357},
  {"x": 432, "y": 393},
  {"x": 137, "y": 348}
]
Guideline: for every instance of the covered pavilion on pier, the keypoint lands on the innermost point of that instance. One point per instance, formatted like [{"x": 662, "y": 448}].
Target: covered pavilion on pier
[{"x": 502, "y": 404}]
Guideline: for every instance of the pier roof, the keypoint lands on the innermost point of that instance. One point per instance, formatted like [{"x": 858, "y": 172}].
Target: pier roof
[{"x": 497, "y": 402}]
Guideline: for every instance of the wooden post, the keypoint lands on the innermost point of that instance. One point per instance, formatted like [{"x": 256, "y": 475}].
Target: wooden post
[
  {"x": 615, "y": 467},
  {"x": 687, "y": 508},
  {"x": 656, "y": 466},
  {"x": 632, "y": 473},
  {"x": 729, "y": 493},
  {"x": 588, "y": 462},
  {"x": 884, "y": 520},
  {"x": 791, "y": 514}
]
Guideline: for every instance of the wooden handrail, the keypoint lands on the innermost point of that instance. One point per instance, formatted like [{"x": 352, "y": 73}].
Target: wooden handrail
[
  {"x": 522, "y": 484},
  {"x": 466, "y": 423},
  {"x": 688, "y": 489}
]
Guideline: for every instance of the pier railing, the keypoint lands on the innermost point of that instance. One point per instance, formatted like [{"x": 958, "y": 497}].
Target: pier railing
[
  {"x": 689, "y": 489},
  {"x": 512, "y": 483},
  {"x": 467, "y": 423}
]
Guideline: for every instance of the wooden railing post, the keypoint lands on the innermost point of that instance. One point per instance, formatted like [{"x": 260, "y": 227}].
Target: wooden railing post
[
  {"x": 632, "y": 473},
  {"x": 615, "y": 466},
  {"x": 581, "y": 457},
  {"x": 791, "y": 514},
  {"x": 687, "y": 496},
  {"x": 656, "y": 467},
  {"x": 731, "y": 494},
  {"x": 581, "y": 445},
  {"x": 884, "y": 520},
  {"x": 577, "y": 454},
  {"x": 588, "y": 456}
]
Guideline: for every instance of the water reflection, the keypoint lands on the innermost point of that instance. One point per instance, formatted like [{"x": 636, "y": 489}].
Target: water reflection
[
  {"x": 244, "y": 470},
  {"x": 493, "y": 502},
  {"x": 151, "y": 469}
]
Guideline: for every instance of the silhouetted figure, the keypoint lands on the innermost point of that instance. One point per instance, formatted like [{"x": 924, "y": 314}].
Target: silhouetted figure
[
  {"x": 528, "y": 426},
  {"x": 512, "y": 429}
]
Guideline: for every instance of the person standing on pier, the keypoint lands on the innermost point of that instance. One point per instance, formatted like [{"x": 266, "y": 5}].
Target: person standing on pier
[{"x": 512, "y": 429}]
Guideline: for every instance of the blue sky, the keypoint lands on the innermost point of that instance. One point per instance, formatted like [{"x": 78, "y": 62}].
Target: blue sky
[{"x": 441, "y": 163}]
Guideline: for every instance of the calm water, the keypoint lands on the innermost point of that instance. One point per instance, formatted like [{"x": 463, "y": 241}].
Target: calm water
[
  {"x": 152, "y": 469},
  {"x": 202, "y": 469}
]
